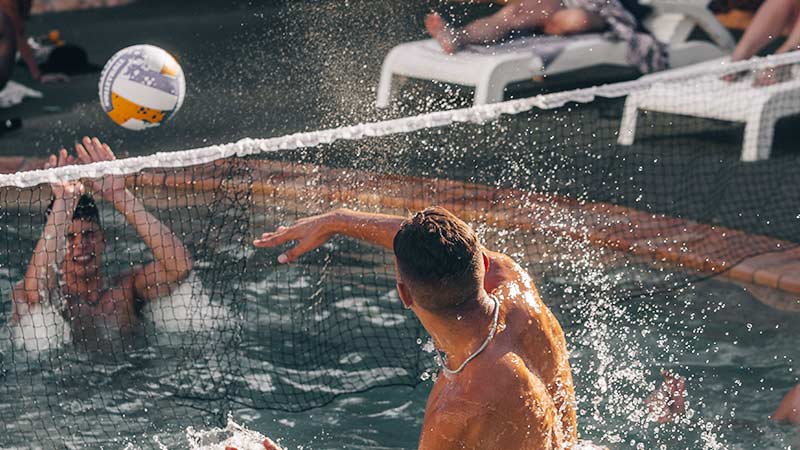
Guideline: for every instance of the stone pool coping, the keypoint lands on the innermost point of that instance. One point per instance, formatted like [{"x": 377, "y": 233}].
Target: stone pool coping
[{"x": 769, "y": 268}]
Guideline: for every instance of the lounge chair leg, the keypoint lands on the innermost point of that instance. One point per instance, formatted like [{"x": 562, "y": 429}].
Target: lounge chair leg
[
  {"x": 627, "y": 127},
  {"x": 490, "y": 91},
  {"x": 385, "y": 87},
  {"x": 758, "y": 134}
]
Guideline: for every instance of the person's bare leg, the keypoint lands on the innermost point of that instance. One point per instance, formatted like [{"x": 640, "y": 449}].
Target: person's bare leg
[
  {"x": 779, "y": 74},
  {"x": 8, "y": 49},
  {"x": 772, "y": 75},
  {"x": 770, "y": 20},
  {"x": 441, "y": 31},
  {"x": 789, "y": 409},
  {"x": 566, "y": 22},
  {"x": 517, "y": 16}
]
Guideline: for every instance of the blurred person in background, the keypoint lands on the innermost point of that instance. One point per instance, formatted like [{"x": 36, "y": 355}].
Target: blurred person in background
[
  {"x": 772, "y": 19},
  {"x": 620, "y": 18}
]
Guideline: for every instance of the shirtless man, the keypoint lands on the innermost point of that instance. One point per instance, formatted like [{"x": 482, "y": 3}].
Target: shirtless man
[
  {"x": 506, "y": 381},
  {"x": 65, "y": 269}
]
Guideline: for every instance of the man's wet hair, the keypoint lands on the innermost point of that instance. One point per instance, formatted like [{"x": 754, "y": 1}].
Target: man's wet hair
[
  {"x": 439, "y": 259},
  {"x": 86, "y": 209}
]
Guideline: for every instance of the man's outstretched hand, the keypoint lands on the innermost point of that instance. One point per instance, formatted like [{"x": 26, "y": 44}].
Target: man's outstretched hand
[
  {"x": 309, "y": 233},
  {"x": 92, "y": 150},
  {"x": 67, "y": 190}
]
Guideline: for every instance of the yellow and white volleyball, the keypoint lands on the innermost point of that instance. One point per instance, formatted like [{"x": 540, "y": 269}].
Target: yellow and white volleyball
[{"x": 141, "y": 87}]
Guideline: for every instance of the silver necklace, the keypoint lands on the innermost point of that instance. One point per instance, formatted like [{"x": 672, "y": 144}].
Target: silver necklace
[{"x": 477, "y": 352}]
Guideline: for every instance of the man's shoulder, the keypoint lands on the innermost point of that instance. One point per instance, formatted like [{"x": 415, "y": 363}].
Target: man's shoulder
[
  {"x": 501, "y": 380},
  {"x": 484, "y": 400}
]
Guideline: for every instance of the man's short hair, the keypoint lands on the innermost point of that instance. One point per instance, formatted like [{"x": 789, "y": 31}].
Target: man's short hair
[
  {"x": 439, "y": 259},
  {"x": 86, "y": 209}
]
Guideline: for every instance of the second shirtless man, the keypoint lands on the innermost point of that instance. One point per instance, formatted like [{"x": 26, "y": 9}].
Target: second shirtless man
[{"x": 506, "y": 381}]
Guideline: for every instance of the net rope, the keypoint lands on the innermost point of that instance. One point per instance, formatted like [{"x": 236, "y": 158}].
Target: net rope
[
  {"x": 476, "y": 114},
  {"x": 618, "y": 235}
]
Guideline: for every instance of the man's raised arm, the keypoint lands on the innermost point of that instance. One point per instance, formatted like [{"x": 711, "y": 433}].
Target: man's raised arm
[
  {"x": 173, "y": 261},
  {"x": 312, "y": 232},
  {"x": 40, "y": 276}
]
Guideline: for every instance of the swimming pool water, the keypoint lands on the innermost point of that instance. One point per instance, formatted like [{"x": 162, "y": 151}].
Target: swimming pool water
[{"x": 739, "y": 358}]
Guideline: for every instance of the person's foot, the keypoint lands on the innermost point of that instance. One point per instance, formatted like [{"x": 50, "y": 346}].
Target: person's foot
[
  {"x": 773, "y": 75},
  {"x": 50, "y": 78},
  {"x": 789, "y": 409},
  {"x": 668, "y": 401},
  {"x": 439, "y": 30},
  {"x": 734, "y": 77}
]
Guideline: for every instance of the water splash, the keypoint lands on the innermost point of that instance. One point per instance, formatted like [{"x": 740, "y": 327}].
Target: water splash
[{"x": 233, "y": 437}]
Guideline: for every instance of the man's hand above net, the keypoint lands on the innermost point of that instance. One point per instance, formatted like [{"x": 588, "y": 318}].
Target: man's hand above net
[
  {"x": 68, "y": 190},
  {"x": 92, "y": 150},
  {"x": 309, "y": 233}
]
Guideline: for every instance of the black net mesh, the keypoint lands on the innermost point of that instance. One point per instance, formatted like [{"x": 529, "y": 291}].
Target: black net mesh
[{"x": 605, "y": 228}]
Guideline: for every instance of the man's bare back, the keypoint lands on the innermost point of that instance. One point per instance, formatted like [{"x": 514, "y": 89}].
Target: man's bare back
[
  {"x": 519, "y": 389},
  {"x": 515, "y": 390}
]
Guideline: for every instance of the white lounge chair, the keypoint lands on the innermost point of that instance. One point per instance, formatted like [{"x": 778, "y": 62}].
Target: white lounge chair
[
  {"x": 759, "y": 108},
  {"x": 490, "y": 69}
]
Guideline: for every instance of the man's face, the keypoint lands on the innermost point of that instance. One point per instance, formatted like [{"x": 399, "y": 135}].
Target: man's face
[{"x": 85, "y": 244}]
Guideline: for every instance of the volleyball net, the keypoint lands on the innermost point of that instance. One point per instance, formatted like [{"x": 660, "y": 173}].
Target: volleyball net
[{"x": 605, "y": 195}]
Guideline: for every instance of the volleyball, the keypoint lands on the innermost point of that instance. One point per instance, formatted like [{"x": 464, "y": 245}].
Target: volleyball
[{"x": 141, "y": 87}]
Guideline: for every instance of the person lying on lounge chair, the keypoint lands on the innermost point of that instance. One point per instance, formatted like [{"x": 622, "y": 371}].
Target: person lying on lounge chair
[
  {"x": 558, "y": 18},
  {"x": 773, "y": 18}
]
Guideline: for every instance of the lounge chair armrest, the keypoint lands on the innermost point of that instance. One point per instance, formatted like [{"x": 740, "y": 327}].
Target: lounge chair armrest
[{"x": 697, "y": 12}]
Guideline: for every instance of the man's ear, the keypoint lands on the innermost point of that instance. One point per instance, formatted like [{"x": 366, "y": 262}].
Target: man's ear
[
  {"x": 405, "y": 295},
  {"x": 485, "y": 262}
]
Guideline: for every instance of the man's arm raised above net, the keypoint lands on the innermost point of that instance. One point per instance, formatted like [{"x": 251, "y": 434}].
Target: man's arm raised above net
[
  {"x": 40, "y": 276},
  {"x": 311, "y": 232},
  {"x": 172, "y": 262}
]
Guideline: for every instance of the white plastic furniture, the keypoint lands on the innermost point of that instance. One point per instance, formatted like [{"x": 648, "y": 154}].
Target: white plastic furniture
[
  {"x": 490, "y": 69},
  {"x": 759, "y": 108}
]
